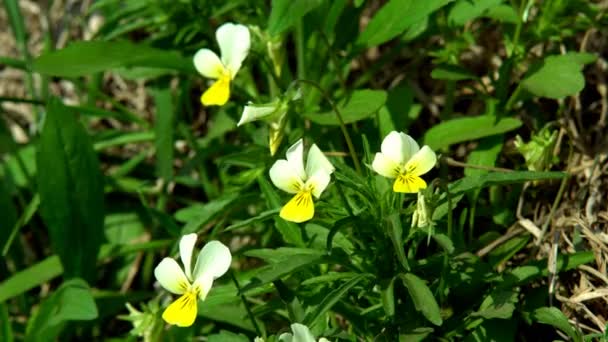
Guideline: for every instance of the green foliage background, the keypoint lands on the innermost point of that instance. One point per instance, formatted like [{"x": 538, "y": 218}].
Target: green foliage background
[{"x": 100, "y": 192}]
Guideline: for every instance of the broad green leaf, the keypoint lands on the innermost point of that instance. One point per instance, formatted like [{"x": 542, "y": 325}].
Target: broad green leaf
[
  {"x": 499, "y": 303},
  {"x": 395, "y": 17},
  {"x": 234, "y": 314},
  {"x": 30, "y": 277},
  {"x": 485, "y": 154},
  {"x": 71, "y": 191},
  {"x": 360, "y": 105},
  {"x": 332, "y": 298},
  {"x": 497, "y": 178},
  {"x": 451, "y": 72},
  {"x": 507, "y": 250},
  {"x": 558, "y": 76},
  {"x": 467, "y": 128},
  {"x": 465, "y": 10},
  {"x": 286, "y": 13},
  {"x": 422, "y": 297},
  {"x": 523, "y": 274},
  {"x": 503, "y": 12},
  {"x": 89, "y": 57},
  {"x": 554, "y": 317},
  {"x": 163, "y": 127},
  {"x": 72, "y": 301}
]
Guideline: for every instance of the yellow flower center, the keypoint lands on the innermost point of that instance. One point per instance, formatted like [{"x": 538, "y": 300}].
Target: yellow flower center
[
  {"x": 182, "y": 312},
  {"x": 408, "y": 182},
  {"x": 219, "y": 92}
]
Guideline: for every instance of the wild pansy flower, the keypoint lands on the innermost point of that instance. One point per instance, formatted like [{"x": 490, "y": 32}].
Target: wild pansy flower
[
  {"x": 402, "y": 159},
  {"x": 291, "y": 176},
  {"x": 301, "y": 333},
  {"x": 234, "y": 41},
  {"x": 212, "y": 262}
]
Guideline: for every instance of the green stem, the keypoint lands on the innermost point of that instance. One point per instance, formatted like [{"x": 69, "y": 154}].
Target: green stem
[
  {"x": 349, "y": 142},
  {"x": 247, "y": 307}
]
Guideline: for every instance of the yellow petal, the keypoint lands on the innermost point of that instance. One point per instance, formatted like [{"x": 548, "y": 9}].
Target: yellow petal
[
  {"x": 299, "y": 209},
  {"x": 182, "y": 312},
  {"x": 408, "y": 183},
  {"x": 218, "y": 93}
]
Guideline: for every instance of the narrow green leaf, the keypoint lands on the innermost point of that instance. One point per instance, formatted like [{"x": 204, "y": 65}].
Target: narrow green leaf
[
  {"x": 468, "y": 128},
  {"x": 360, "y": 105},
  {"x": 283, "y": 268},
  {"x": 71, "y": 302},
  {"x": 286, "y": 13},
  {"x": 559, "y": 76},
  {"x": 451, "y": 72},
  {"x": 554, "y": 317},
  {"x": 497, "y": 178},
  {"x": 6, "y": 330},
  {"x": 30, "y": 277},
  {"x": 396, "y": 235},
  {"x": 89, "y": 57},
  {"x": 197, "y": 215},
  {"x": 71, "y": 191},
  {"x": 163, "y": 127},
  {"x": 422, "y": 297},
  {"x": 331, "y": 299},
  {"x": 395, "y": 17}
]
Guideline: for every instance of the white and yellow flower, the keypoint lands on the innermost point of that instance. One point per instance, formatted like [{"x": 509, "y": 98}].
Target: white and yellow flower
[
  {"x": 291, "y": 176},
  {"x": 212, "y": 262},
  {"x": 301, "y": 333},
  {"x": 403, "y": 160},
  {"x": 234, "y": 41}
]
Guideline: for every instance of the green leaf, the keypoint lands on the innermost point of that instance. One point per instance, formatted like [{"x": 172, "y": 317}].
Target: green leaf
[
  {"x": 332, "y": 298},
  {"x": 197, "y": 215},
  {"x": 6, "y": 331},
  {"x": 163, "y": 127},
  {"x": 559, "y": 76},
  {"x": 89, "y": 57},
  {"x": 71, "y": 302},
  {"x": 468, "y": 128},
  {"x": 485, "y": 154},
  {"x": 227, "y": 336},
  {"x": 451, "y": 72},
  {"x": 498, "y": 304},
  {"x": 71, "y": 191},
  {"x": 361, "y": 104},
  {"x": 422, "y": 297},
  {"x": 30, "y": 277},
  {"x": 286, "y": 13},
  {"x": 395, "y": 17},
  {"x": 396, "y": 234},
  {"x": 554, "y": 317},
  {"x": 497, "y": 178},
  {"x": 465, "y": 10},
  {"x": 283, "y": 268}
]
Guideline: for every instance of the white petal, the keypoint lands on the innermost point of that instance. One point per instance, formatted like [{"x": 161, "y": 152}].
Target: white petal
[
  {"x": 323, "y": 339},
  {"x": 285, "y": 177},
  {"x": 234, "y": 41},
  {"x": 208, "y": 64},
  {"x": 301, "y": 333},
  {"x": 385, "y": 166},
  {"x": 319, "y": 182},
  {"x": 213, "y": 261},
  {"x": 171, "y": 277},
  {"x": 317, "y": 162},
  {"x": 186, "y": 246},
  {"x": 422, "y": 162},
  {"x": 286, "y": 337},
  {"x": 253, "y": 112},
  {"x": 295, "y": 158},
  {"x": 399, "y": 147}
]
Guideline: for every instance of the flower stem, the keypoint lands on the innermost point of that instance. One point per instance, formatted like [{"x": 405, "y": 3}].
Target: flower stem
[
  {"x": 349, "y": 142},
  {"x": 244, "y": 300}
]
